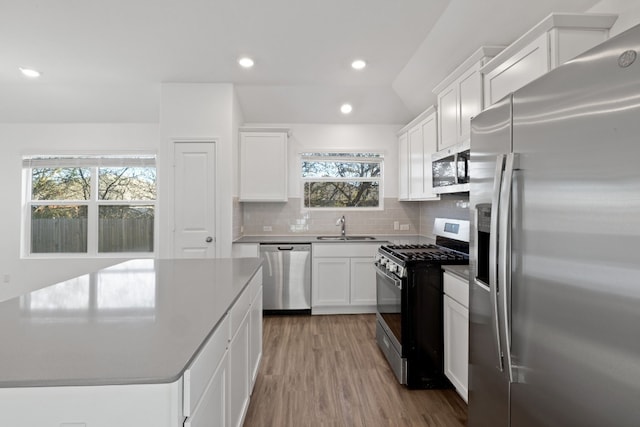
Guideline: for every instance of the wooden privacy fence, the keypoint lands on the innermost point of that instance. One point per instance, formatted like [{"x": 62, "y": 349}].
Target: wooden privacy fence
[{"x": 51, "y": 235}]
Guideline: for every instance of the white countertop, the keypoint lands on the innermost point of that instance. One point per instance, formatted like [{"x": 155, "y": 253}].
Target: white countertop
[
  {"x": 301, "y": 239},
  {"x": 138, "y": 322}
]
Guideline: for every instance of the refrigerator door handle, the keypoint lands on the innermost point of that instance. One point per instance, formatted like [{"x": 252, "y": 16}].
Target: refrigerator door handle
[
  {"x": 504, "y": 259},
  {"x": 493, "y": 257}
]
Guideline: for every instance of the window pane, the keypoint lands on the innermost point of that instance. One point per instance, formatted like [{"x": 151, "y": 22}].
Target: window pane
[
  {"x": 130, "y": 183},
  {"x": 59, "y": 229},
  {"x": 341, "y": 194},
  {"x": 125, "y": 228},
  {"x": 60, "y": 184},
  {"x": 336, "y": 169}
]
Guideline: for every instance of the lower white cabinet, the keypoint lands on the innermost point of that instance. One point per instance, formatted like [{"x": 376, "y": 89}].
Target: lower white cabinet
[
  {"x": 343, "y": 278},
  {"x": 212, "y": 408},
  {"x": 239, "y": 372},
  {"x": 255, "y": 336},
  {"x": 456, "y": 333}
]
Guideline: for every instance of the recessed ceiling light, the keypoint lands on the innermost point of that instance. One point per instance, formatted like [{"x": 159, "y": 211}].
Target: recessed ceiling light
[
  {"x": 30, "y": 72},
  {"x": 346, "y": 108},
  {"x": 358, "y": 64},
  {"x": 245, "y": 62}
]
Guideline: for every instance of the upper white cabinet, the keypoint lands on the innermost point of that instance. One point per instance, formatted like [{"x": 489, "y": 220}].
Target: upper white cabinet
[
  {"x": 403, "y": 165},
  {"x": 554, "y": 41},
  {"x": 416, "y": 143},
  {"x": 460, "y": 98},
  {"x": 263, "y": 165}
]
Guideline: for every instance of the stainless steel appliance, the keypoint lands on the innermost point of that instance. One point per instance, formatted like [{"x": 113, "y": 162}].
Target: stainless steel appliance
[
  {"x": 409, "y": 318},
  {"x": 286, "y": 277},
  {"x": 555, "y": 248},
  {"x": 450, "y": 169}
]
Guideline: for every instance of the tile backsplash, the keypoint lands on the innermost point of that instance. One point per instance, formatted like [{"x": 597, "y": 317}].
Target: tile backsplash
[{"x": 290, "y": 218}]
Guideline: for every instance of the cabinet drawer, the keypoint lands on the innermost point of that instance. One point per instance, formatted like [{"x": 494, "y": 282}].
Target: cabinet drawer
[
  {"x": 197, "y": 375},
  {"x": 240, "y": 309},
  {"x": 456, "y": 288}
]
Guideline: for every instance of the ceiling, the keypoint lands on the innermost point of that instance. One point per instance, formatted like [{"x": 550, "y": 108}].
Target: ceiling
[{"x": 104, "y": 61}]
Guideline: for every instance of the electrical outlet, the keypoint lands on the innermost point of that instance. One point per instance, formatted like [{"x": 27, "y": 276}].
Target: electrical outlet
[
  {"x": 396, "y": 225},
  {"x": 404, "y": 227},
  {"x": 267, "y": 228},
  {"x": 6, "y": 278}
]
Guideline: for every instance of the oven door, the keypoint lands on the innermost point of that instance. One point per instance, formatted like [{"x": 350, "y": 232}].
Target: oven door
[{"x": 389, "y": 320}]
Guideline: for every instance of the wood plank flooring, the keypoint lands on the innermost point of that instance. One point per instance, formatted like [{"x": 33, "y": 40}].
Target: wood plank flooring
[{"x": 327, "y": 371}]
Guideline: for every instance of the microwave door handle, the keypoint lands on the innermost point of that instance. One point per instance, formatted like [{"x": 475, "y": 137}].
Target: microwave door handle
[
  {"x": 493, "y": 257},
  {"x": 455, "y": 168},
  {"x": 504, "y": 258}
]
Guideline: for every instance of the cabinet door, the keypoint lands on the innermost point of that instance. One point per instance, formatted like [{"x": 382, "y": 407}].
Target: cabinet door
[
  {"x": 470, "y": 96},
  {"x": 363, "y": 281},
  {"x": 239, "y": 374},
  {"x": 429, "y": 146},
  {"x": 416, "y": 162},
  {"x": 403, "y": 167},
  {"x": 331, "y": 278},
  {"x": 255, "y": 336},
  {"x": 448, "y": 116},
  {"x": 523, "y": 67},
  {"x": 263, "y": 166},
  {"x": 456, "y": 345},
  {"x": 212, "y": 409}
]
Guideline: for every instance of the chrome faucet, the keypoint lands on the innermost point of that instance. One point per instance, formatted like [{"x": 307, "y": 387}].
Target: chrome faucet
[{"x": 341, "y": 221}]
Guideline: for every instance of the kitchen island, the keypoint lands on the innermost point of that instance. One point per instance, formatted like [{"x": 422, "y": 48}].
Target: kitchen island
[{"x": 135, "y": 344}]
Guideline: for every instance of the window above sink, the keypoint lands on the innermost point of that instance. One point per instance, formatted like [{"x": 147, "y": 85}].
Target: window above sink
[{"x": 347, "y": 180}]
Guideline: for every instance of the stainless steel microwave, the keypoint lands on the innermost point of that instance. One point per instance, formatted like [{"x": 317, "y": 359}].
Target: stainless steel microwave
[{"x": 450, "y": 170}]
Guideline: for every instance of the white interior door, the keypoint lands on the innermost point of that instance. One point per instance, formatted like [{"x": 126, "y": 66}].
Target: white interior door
[{"x": 194, "y": 196}]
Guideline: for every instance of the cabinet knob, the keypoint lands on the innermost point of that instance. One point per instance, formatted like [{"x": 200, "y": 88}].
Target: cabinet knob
[{"x": 209, "y": 239}]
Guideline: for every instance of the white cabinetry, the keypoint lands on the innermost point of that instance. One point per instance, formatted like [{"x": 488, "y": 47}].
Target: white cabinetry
[
  {"x": 416, "y": 143},
  {"x": 263, "y": 165},
  {"x": 403, "y": 165},
  {"x": 460, "y": 98},
  {"x": 343, "y": 278},
  {"x": 456, "y": 332},
  {"x": 554, "y": 41},
  {"x": 255, "y": 336}
]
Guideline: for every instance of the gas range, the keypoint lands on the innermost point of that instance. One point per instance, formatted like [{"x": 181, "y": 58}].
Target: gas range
[{"x": 409, "y": 303}]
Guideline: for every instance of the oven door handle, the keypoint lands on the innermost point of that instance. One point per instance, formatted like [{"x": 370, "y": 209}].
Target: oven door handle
[{"x": 383, "y": 272}]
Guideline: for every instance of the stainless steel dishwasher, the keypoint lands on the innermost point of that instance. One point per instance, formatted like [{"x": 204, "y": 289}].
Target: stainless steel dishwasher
[{"x": 286, "y": 277}]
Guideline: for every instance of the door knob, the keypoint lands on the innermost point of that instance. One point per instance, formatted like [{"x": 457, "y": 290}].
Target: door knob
[{"x": 209, "y": 239}]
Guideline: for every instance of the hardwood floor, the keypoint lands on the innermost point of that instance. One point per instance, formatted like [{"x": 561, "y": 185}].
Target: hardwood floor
[{"x": 322, "y": 371}]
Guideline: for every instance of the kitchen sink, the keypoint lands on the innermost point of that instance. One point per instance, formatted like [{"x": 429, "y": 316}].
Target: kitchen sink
[{"x": 340, "y": 238}]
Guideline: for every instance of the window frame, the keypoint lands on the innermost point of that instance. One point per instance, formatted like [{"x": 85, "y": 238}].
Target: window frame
[
  {"x": 93, "y": 162},
  {"x": 328, "y": 154}
]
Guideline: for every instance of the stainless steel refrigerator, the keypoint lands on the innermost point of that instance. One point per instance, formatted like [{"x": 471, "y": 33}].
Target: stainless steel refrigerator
[{"x": 555, "y": 247}]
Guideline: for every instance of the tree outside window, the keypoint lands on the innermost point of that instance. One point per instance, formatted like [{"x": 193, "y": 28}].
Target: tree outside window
[
  {"x": 341, "y": 180},
  {"x": 91, "y": 205}
]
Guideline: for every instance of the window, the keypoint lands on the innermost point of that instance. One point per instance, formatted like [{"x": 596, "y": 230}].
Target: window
[
  {"x": 342, "y": 180},
  {"x": 89, "y": 205}
]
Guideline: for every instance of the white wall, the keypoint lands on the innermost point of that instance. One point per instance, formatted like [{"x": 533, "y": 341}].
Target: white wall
[
  {"x": 194, "y": 111},
  {"x": 628, "y": 12},
  {"x": 310, "y": 137},
  {"x": 17, "y": 140}
]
